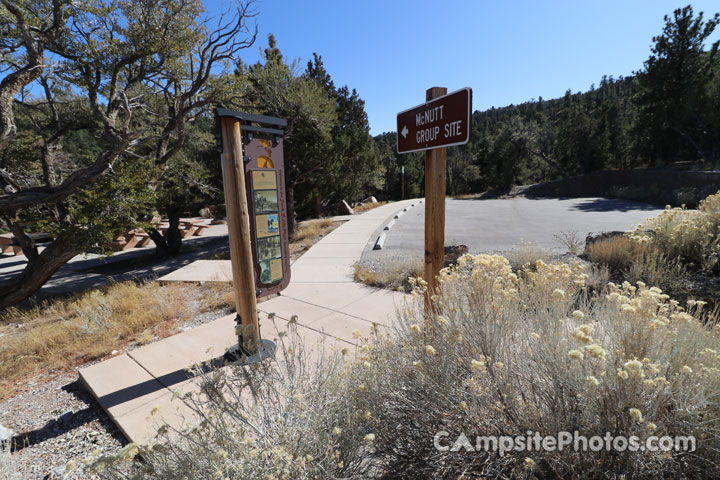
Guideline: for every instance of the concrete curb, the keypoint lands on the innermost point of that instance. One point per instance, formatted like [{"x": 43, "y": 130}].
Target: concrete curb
[
  {"x": 380, "y": 241},
  {"x": 383, "y": 235}
]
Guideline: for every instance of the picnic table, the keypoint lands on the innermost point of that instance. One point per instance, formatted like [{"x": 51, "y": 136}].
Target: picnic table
[
  {"x": 9, "y": 244},
  {"x": 133, "y": 238},
  {"x": 188, "y": 227}
]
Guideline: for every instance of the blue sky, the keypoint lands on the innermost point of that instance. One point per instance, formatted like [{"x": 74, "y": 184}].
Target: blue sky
[{"x": 508, "y": 52}]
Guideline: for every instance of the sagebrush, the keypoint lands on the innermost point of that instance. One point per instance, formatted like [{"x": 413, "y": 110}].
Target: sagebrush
[
  {"x": 693, "y": 236},
  {"x": 503, "y": 354},
  {"x": 637, "y": 261}
]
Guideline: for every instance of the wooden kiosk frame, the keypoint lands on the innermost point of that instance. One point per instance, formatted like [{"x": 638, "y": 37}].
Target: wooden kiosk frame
[{"x": 251, "y": 148}]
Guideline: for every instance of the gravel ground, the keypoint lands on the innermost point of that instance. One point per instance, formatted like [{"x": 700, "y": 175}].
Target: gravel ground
[{"x": 56, "y": 420}]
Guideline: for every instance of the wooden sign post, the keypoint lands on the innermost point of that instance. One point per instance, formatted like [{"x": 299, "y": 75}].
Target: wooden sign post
[
  {"x": 442, "y": 121},
  {"x": 238, "y": 216},
  {"x": 251, "y": 148},
  {"x": 435, "y": 173}
]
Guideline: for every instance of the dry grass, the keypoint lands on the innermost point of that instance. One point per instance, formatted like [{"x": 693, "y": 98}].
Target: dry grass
[
  {"x": 367, "y": 206},
  {"x": 313, "y": 228},
  {"x": 216, "y": 296},
  {"x": 691, "y": 235},
  {"x": 393, "y": 276},
  {"x": 570, "y": 239},
  {"x": 309, "y": 233},
  {"x": 68, "y": 332},
  {"x": 626, "y": 259},
  {"x": 7, "y": 464},
  {"x": 615, "y": 253},
  {"x": 535, "y": 351},
  {"x": 526, "y": 253}
]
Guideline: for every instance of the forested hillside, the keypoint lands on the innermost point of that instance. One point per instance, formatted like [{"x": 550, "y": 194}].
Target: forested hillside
[{"x": 668, "y": 112}]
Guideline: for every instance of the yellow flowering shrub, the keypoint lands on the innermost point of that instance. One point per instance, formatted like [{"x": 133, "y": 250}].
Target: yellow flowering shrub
[
  {"x": 534, "y": 350},
  {"x": 692, "y": 235},
  {"x": 502, "y": 352}
]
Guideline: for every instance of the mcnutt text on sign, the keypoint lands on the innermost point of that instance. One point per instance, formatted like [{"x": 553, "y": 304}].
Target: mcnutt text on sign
[{"x": 442, "y": 122}]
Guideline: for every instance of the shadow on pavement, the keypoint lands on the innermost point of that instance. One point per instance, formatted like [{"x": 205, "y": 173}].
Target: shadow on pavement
[
  {"x": 72, "y": 420},
  {"x": 137, "y": 266},
  {"x": 12, "y": 264},
  {"x": 612, "y": 205},
  {"x": 165, "y": 381}
]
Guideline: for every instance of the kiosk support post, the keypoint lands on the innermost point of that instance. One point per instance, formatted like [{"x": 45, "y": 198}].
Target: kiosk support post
[{"x": 238, "y": 217}]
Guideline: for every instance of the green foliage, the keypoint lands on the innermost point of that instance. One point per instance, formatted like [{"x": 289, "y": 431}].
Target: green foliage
[
  {"x": 135, "y": 86},
  {"x": 393, "y": 163},
  {"x": 532, "y": 142},
  {"x": 112, "y": 206},
  {"x": 104, "y": 118},
  {"x": 360, "y": 172},
  {"x": 115, "y": 204},
  {"x": 23, "y": 156},
  {"x": 275, "y": 88},
  {"x": 329, "y": 153},
  {"x": 678, "y": 98},
  {"x": 193, "y": 175},
  {"x": 669, "y": 112}
]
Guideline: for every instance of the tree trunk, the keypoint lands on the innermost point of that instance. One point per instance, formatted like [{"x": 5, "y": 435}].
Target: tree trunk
[
  {"x": 170, "y": 243},
  {"x": 290, "y": 202},
  {"x": 26, "y": 243},
  {"x": 161, "y": 248},
  {"x": 318, "y": 206},
  {"x": 37, "y": 272},
  {"x": 556, "y": 166}
]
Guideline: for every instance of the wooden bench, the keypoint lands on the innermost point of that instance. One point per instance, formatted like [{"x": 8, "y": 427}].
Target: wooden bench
[
  {"x": 133, "y": 238},
  {"x": 193, "y": 227},
  {"x": 123, "y": 242},
  {"x": 143, "y": 239},
  {"x": 187, "y": 227},
  {"x": 199, "y": 229},
  {"x": 10, "y": 244},
  {"x": 161, "y": 227},
  {"x": 6, "y": 241}
]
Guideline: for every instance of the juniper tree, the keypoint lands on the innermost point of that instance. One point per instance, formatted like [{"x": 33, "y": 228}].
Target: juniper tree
[{"x": 94, "y": 105}]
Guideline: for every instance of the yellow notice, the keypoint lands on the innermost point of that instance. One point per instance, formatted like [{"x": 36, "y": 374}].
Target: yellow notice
[
  {"x": 265, "y": 162},
  {"x": 267, "y": 225},
  {"x": 264, "y": 180},
  {"x": 276, "y": 270}
]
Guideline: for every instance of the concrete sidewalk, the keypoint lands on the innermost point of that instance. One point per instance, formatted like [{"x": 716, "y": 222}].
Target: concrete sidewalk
[
  {"x": 89, "y": 270},
  {"x": 328, "y": 305}
]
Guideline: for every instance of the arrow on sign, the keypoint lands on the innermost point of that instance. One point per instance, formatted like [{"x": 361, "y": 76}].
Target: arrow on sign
[{"x": 404, "y": 131}]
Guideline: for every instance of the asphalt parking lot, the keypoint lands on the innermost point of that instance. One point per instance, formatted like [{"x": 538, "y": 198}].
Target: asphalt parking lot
[{"x": 494, "y": 226}]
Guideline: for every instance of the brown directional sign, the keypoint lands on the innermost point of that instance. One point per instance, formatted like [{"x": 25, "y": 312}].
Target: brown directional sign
[{"x": 442, "y": 122}]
